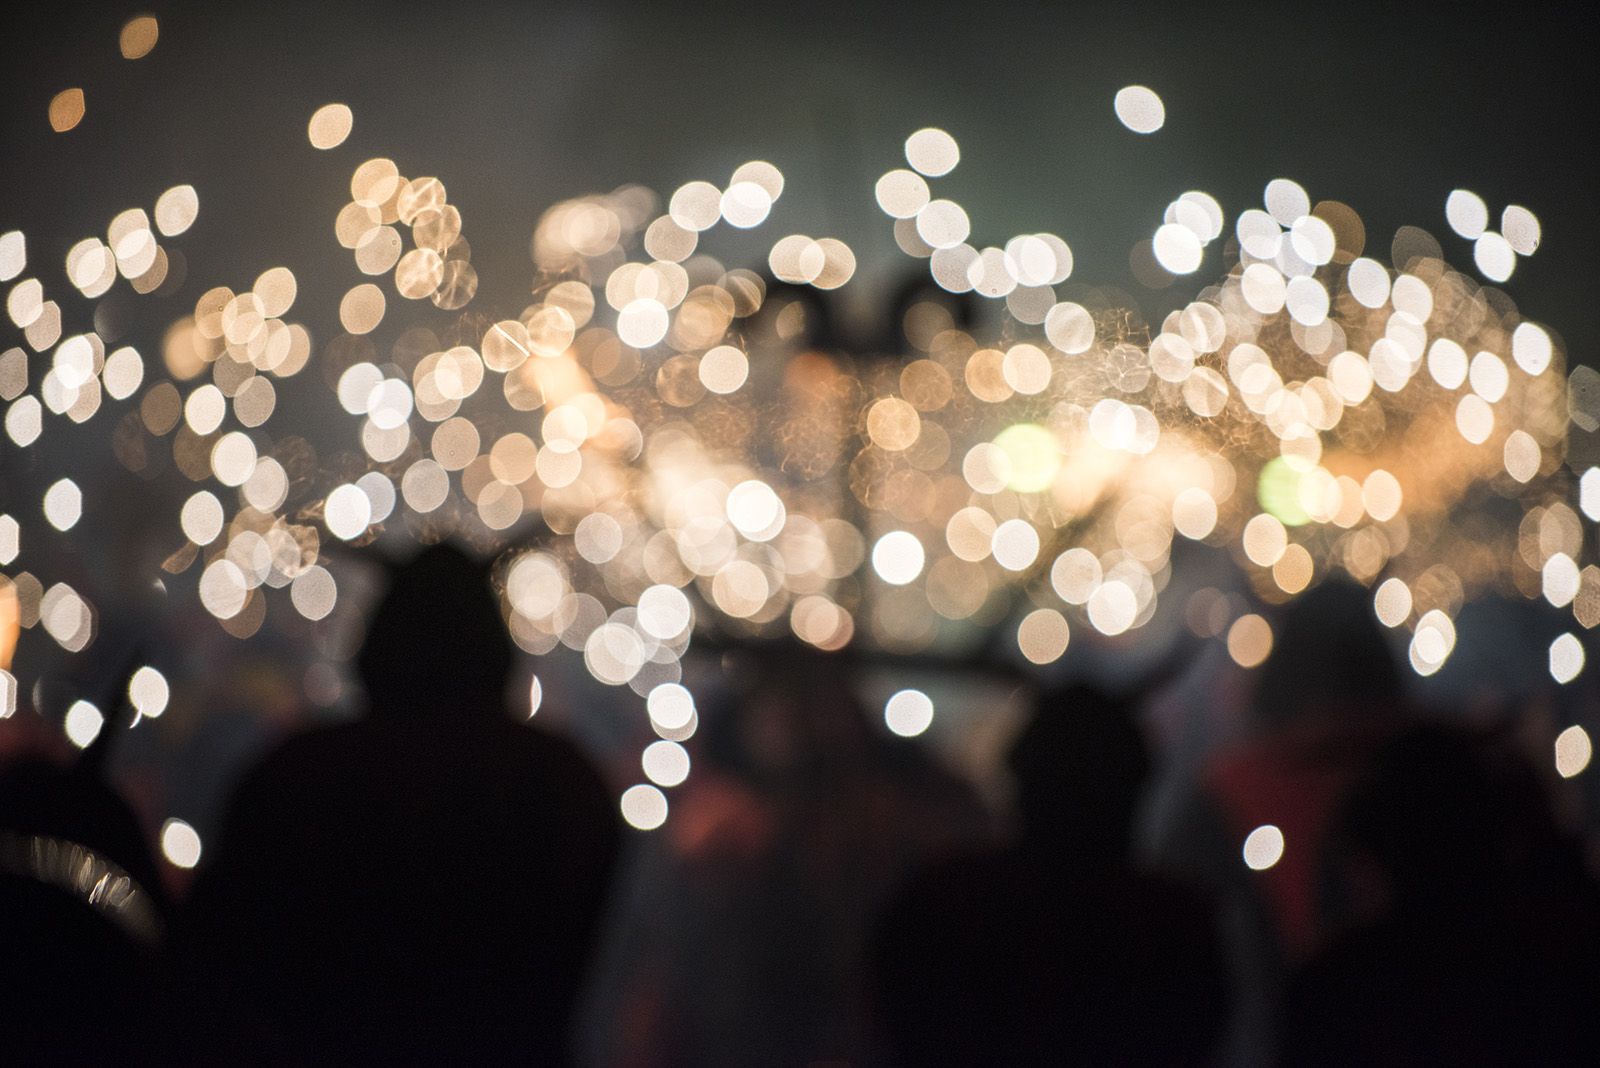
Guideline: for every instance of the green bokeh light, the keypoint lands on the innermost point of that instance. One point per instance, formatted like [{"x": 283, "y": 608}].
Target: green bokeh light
[
  {"x": 1278, "y": 490},
  {"x": 1034, "y": 454}
]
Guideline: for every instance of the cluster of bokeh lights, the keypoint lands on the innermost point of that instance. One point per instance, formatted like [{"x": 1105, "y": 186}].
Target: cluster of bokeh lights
[{"x": 666, "y": 452}]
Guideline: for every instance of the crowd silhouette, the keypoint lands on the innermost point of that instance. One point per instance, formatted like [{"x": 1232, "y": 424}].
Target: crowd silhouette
[{"x": 438, "y": 882}]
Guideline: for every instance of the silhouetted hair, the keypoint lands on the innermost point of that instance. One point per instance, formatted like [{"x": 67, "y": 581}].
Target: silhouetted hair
[
  {"x": 437, "y": 639},
  {"x": 1329, "y": 653},
  {"x": 1079, "y": 766}
]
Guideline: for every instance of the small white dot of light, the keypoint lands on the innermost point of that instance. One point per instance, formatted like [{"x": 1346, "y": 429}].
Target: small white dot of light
[
  {"x": 1113, "y": 607},
  {"x": 1521, "y": 229},
  {"x": 908, "y": 713},
  {"x": 1139, "y": 109},
  {"x": 1466, "y": 213},
  {"x": 1560, "y": 580},
  {"x": 665, "y": 763},
  {"x": 148, "y": 692},
  {"x": 1194, "y": 513},
  {"x": 642, "y": 323},
  {"x": 180, "y": 843},
  {"x": 644, "y": 807},
  {"x": 380, "y": 492},
  {"x": 746, "y": 205},
  {"x": 123, "y": 372},
  {"x": 1588, "y": 495},
  {"x": 902, "y": 193},
  {"x": 1574, "y": 750},
  {"x": 314, "y": 592},
  {"x": 204, "y": 409},
  {"x": 761, "y": 173},
  {"x": 1531, "y": 348},
  {"x": 13, "y": 254},
  {"x": 348, "y": 512},
  {"x": 724, "y": 369},
  {"x": 664, "y": 612},
  {"x": 535, "y": 696},
  {"x": 24, "y": 421},
  {"x": 755, "y": 510},
  {"x": 1369, "y": 282},
  {"x": 1392, "y": 602},
  {"x": 1015, "y": 544},
  {"x": 63, "y": 504},
  {"x": 83, "y": 723},
  {"x": 670, "y": 705},
  {"x": 233, "y": 458},
  {"x": 1566, "y": 658},
  {"x": 897, "y": 557},
  {"x": 1177, "y": 249},
  {"x": 1286, "y": 201},
  {"x": 202, "y": 518},
  {"x": 1494, "y": 256},
  {"x": 943, "y": 224},
  {"x": 10, "y": 539},
  {"x": 1263, "y": 847},
  {"x": 932, "y": 152},
  {"x": 1447, "y": 363},
  {"x": 356, "y": 387}
]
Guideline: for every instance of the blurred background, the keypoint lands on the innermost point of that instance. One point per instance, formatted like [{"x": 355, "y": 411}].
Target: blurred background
[{"x": 517, "y": 106}]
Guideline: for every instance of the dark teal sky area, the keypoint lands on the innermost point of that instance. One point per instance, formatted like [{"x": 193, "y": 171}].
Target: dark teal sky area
[{"x": 1384, "y": 106}]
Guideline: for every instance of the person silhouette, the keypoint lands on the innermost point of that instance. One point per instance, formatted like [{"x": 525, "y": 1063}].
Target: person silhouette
[
  {"x": 1056, "y": 947},
  {"x": 422, "y": 883},
  {"x": 82, "y": 908},
  {"x": 1473, "y": 930}
]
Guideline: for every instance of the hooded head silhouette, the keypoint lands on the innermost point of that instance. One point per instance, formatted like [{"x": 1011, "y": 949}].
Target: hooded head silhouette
[{"x": 436, "y": 644}]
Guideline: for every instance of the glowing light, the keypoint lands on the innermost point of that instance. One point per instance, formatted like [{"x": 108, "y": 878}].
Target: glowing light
[
  {"x": 897, "y": 557},
  {"x": 63, "y": 504},
  {"x": 1249, "y": 641},
  {"x": 932, "y": 152},
  {"x": 66, "y": 110},
  {"x": 1263, "y": 847},
  {"x": 83, "y": 723},
  {"x": 644, "y": 807},
  {"x": 1574, "y": 750},
  {"x": 1042, "y": 636},
  {"x": 908, "y": 713},
  {"x": 138, "y": 37},
  {"x": 665, "y": 763},
  {"x": 1566, "y": 658},
  {"x": 180, "y": 844},
  {"x": 1466, "y": 213},
  {"x": 1140, "y": 109},
  {"x": 1032, "y": 457},
  {"x": 148, "y": 692},
  {"x": 347, "y": 512}
]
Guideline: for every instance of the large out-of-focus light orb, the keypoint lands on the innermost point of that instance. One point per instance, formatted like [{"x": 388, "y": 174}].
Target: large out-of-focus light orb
[
  {"x": 1033, "y": 456},
  {"x": 1278, "y": 490}
]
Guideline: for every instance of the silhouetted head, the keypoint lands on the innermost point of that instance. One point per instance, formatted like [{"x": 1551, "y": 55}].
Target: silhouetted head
[
  {"x": 1079, "y": 766},
  {"x": 791, "y": 714},
  {"x": 1329, "y": 654},
  {"x": 436, "y": 644},
  {"x": 1446, "y": 814}
]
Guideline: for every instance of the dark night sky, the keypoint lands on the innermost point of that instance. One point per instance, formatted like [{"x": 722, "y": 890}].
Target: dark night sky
[{"x": 1386, "y": 107}]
